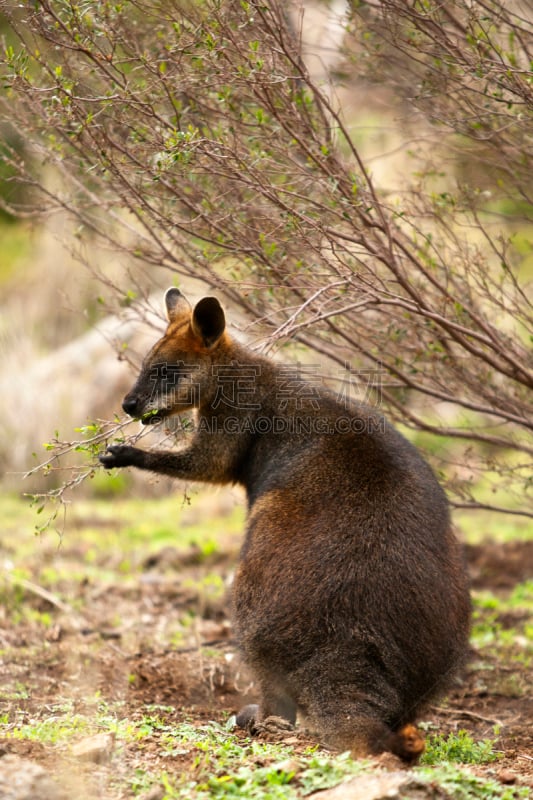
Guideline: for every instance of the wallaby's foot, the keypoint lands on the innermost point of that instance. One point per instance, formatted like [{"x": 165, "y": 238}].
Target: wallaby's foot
[
  {"x": 273, "y": 726},
  {"x": 248, "y": 719}
]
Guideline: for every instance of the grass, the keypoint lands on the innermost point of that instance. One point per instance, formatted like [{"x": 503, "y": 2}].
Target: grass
[
  {"x": 502, "y": 626},
  {"x": 220, "y": 764},
  {"x": 459, "y": 748},
  {"x": 476, "y": 526},
  {"x": 106, "y": 544},
  {"x": 287, "y": 778},
  {"x": 227, "y": 767},
  {"x": 103, "y": 531},
  {"x": 463, "y": 785},
  {"x": 17, "y": 246},
  {"x": 63, "y": 725}
]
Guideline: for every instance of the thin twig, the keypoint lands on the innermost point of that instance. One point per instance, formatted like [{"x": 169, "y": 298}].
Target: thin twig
[
  {"x": 78, "y": 621},
  {"x": 453, "y": 712}
]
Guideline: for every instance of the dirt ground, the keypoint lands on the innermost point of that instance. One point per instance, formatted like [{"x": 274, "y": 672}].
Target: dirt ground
[{"x": 109, "y": 652}]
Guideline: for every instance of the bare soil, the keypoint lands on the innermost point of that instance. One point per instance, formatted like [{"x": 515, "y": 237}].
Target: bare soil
[{"x": 111, "y": 652}]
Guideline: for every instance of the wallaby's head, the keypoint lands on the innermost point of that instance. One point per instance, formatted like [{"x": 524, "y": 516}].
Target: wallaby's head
[{"x": 176, "y": 372}]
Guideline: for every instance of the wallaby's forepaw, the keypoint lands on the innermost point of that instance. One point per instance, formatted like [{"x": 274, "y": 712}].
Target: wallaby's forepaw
[{"x": 120, "y": 455}]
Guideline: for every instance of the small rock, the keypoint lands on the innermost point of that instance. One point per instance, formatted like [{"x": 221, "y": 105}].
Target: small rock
[
  {"x": 290, "y": 766},
  {"x": 155, "y": 793},
  {"x": 389, "y": 762},
  {"x": 290, "y": 740},
  {"x": 21, "y": 779},
  {"x": 382, "y": 786},
  {"x": 98, "y": 748},
  {"x": 54, "y": 634},
  {"x": 506, "y": 776}
]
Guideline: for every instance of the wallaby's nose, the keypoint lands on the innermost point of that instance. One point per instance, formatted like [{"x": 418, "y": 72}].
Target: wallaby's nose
[{"x": 130, "y": 404}]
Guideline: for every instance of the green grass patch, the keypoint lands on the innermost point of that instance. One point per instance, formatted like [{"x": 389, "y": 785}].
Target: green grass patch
[
  {"x": 459, "y": 748},
  {"x": 226, "y": 766},
  {"x": 101, "y": 533},
  {"x": 17, "y": 246},
  {"x": 463, "y": 785},
  {"x": 494, "y": 629},
  {"x": 221, "y": 764},
  {"x": 62, "y": 725},
  {"x": 477, "y": 526},
  {"x": 53, "y": 730}
]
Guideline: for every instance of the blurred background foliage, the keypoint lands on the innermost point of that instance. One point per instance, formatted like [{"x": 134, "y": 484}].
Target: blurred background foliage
[{"x": 354, "y": 179}]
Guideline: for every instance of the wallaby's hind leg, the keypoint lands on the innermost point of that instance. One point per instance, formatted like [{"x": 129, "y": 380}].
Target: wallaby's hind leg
[
  {"x": 351, "y": 730},
  {"x": 356, "y": 728}
]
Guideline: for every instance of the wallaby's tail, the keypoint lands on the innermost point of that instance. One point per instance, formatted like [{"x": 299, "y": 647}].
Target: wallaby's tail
[{"x": 407, "y": 743}]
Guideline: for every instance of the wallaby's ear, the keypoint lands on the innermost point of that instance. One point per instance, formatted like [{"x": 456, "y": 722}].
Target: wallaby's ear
[
  {"x": 208, "y": 321},
  {"x": 176, "y": 304}
]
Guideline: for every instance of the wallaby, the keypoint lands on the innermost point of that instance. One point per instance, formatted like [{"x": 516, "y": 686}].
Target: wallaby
[{"x": 350, "y": 601}]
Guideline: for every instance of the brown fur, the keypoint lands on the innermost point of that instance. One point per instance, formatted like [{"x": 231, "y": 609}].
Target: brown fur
[{"x": 350, "y": 601}]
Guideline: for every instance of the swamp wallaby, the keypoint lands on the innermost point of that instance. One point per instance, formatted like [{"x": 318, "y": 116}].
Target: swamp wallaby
[{"x": 350, "y": 600}]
